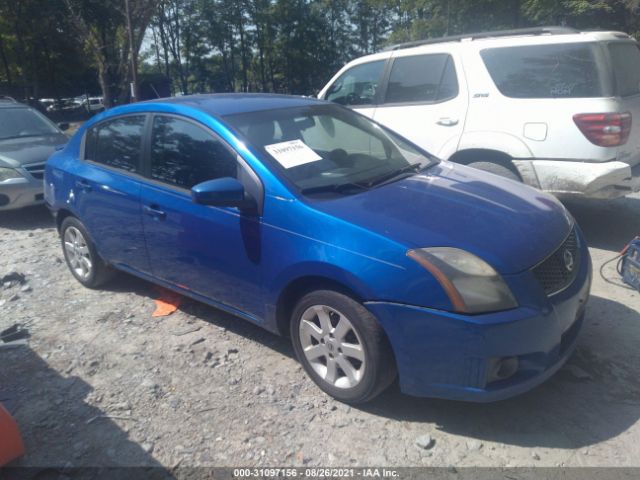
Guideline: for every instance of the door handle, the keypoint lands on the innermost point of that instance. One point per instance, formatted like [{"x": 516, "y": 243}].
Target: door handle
[
  {"x": 447, "y": 122},
  {"x": 154, "y": 212},
  {"x": 83, "y": 185}
]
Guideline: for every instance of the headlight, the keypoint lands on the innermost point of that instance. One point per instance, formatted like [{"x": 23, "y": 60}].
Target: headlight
[
  {"x": 7, "y": 173},
  {"x": 472, "y": 285}
]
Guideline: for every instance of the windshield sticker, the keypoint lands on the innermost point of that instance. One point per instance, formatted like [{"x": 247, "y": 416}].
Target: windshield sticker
[{"x": 292, "y": 154}]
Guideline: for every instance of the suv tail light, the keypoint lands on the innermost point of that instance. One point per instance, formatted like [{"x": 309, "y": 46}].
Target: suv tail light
[{"x": 604, "y": 129}]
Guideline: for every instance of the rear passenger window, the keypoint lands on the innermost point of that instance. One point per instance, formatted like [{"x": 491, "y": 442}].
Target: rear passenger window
[
  {"x": 625, "y": 58},
  {"x": 356, "y": 86},
  {"x": 422, "y": 78},
  {"x": 185, "y": 154},
  {"x": 116, "y": 143}
]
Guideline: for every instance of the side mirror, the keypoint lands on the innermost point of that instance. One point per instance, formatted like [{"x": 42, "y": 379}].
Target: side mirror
[
  {"x": 222, "y": 192},
  {"x": 64, "y": 126}
]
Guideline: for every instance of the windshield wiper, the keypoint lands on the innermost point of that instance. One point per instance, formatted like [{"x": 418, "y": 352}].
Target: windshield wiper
[
  {"x": 391, "y": 176},
  {"x": 338, "y": 188}
]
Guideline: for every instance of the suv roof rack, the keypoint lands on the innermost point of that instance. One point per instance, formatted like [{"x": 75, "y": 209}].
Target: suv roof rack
[{"x": 478, "y": 35}]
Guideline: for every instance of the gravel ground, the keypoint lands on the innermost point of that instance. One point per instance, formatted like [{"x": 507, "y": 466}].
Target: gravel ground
[{"x": 102, "y": 382}]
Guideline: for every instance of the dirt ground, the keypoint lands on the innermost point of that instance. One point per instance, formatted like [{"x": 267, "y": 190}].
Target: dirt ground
[{"x": 101, "y": 382}]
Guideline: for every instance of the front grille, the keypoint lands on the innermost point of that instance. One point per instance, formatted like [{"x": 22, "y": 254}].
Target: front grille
[
  {"x": 558, "y": 271},
  {"x": 35, "y": 170}
]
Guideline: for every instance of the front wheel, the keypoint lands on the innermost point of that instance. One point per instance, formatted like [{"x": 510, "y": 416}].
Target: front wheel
[
  {"x": 341, "y": 346},
  {"x": 81, "y": 255}
]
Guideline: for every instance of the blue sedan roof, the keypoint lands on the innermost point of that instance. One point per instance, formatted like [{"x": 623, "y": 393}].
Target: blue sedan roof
[{"x": 220, "y": 104}]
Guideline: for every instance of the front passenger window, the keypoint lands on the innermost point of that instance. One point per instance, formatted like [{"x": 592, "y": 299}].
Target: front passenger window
[
  {"x": 184, "y": 154},
  {"x": 357, "y": 86}
]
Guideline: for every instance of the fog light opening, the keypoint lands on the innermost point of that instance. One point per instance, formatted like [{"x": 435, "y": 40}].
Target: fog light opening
[{"x": 502, "y": 368}]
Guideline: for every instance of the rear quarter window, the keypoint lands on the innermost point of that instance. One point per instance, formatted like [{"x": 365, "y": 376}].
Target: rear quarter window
[
  {"x": 625, "y": 60},
  {"x": 567, "y": 70}
]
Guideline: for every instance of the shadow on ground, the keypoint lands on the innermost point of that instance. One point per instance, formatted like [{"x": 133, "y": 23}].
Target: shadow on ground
[
  {"x": 607, "y": 224},
  {"x": 239, "y": 326},
  {"x": 51, "y": 410},
  {"x": 27, "y": 218},
  {"x": 564, "y": 412}
]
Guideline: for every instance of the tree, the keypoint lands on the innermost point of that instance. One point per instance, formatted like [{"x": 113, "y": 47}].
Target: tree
[{"x": 110, "y": 40}]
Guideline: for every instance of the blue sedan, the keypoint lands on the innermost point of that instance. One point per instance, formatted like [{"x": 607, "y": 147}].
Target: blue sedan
[{"x": 314, "y": 222}]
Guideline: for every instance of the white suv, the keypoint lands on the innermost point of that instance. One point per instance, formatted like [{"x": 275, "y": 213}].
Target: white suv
[{"x": 553, "y": 107}]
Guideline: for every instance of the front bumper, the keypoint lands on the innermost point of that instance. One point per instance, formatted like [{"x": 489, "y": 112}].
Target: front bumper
[
  {"x": 21, "y": 192},
  {"x": 447, "y": 355},
  {"x": 572, "y": 178}
]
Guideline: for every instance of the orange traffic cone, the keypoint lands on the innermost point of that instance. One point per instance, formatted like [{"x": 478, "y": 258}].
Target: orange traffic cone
[{"x": 11, "y": 446}]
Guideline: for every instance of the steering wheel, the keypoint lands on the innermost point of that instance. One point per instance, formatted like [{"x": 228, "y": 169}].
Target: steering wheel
[{"x": 352, "y": 98}]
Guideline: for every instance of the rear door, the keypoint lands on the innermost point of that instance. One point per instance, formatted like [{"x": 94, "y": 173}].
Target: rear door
[
  {"x": 424, "y": 101},
  {"x": 357, "y": 87},
  {"x": 107, "y": 190},
  {"x": 625, "y": 60}
]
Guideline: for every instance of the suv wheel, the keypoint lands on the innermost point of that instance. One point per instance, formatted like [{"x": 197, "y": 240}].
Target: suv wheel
[
  {"x": 341, "y": 346},
  {"x": 81, "y": 256},
  {"x": 497, "y": 169}
]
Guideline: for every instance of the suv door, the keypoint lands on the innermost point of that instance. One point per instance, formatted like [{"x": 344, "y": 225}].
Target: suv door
[
  {"x": 107, "y": 190},
  {"x": 357, "y": 87},
  {"x": 424, "y": 101},
  {"x": 211, "y": 251}
]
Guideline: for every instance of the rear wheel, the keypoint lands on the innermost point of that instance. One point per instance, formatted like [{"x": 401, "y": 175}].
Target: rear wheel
[
  {"x": 497, "y": 169},
  {"x": 81, "y": 256},
  {"x": 341, "y": 346}
]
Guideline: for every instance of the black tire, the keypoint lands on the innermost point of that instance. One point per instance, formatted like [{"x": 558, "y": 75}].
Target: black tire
[
  {"x": 100, "y": 272},
  {"x": 497, "y": 169},
  {"x": 380, "y": 370}
]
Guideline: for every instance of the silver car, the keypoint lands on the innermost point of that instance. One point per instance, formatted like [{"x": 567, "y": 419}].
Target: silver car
[{"x": 27, "y": 138}]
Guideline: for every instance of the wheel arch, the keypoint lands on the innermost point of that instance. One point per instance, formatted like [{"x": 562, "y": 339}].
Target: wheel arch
[
  {"x": 468, "y": 156},
  {"x": 61, "y": 215},
  {"x": 297, "y": 288}
]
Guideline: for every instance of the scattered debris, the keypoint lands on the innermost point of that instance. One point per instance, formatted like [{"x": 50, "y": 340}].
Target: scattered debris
[
  {"x": 167, "y": 303},
  {"x": 113, "y": 417},
  {"x": 577, "y": 372},
  {"x": 14, "y": 332},
  {"x": 425, "y": 442},
  {"x": 190, "y": 329}
]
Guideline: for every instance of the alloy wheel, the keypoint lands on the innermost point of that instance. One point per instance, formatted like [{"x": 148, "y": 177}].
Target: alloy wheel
[
  {"x": 78, "y": 254},
  {"x": 332, "y": 346}
]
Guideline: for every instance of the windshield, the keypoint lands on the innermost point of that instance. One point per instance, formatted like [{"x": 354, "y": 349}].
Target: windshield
[
  {"x": 23, "y": 122},
  {"x": 325, "y": 147}
]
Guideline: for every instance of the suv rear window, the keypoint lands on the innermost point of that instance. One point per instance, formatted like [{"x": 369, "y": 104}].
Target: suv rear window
[
  {"x": 564, "y": 70},
  {"x": 625, "y": 59}
]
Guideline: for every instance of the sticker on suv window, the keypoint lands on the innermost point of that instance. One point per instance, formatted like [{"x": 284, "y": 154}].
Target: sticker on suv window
[{"x": 292, "y": 154}]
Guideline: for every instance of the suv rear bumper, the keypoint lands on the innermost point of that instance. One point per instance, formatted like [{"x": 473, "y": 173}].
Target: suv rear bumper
[{"x": 573, "y": 178}]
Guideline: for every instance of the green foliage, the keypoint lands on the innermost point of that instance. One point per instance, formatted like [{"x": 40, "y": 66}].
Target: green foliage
[{"x": 62, "y": 47}]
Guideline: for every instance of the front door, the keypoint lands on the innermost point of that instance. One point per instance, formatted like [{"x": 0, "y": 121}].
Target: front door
[{"x": 212, "y": 251}]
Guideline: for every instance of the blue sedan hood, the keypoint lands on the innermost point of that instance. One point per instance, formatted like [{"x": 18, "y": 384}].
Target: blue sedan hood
[{"x": 509, "y": 225}]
